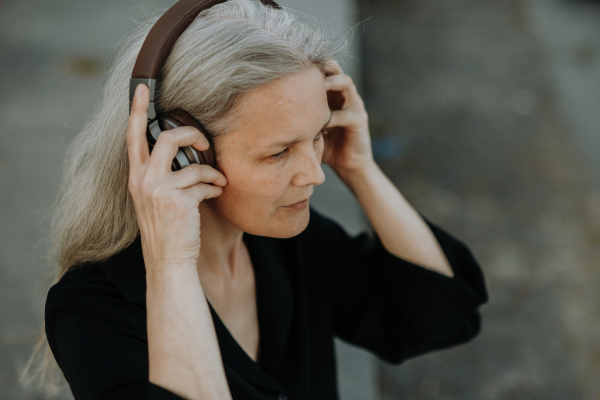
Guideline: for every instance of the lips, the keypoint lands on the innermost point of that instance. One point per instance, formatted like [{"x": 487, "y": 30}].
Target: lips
[
  {"x": 299, "y": 202},
  {"x": 297, "y": 206}
]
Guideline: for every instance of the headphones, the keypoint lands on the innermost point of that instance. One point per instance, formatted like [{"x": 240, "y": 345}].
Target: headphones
[{"x": 152, "y": 55}]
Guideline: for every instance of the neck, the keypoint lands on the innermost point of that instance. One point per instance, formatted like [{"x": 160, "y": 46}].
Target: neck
[{"x": 222, "y": 247}]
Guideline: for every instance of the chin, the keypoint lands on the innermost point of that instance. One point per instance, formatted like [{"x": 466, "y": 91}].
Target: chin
[
  {"x": 287, "y": 225},
  {"x": 296, "y": 225}
]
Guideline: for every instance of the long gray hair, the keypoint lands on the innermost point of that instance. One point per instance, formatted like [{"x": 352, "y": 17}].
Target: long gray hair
[{"x": 229, "y": 50}]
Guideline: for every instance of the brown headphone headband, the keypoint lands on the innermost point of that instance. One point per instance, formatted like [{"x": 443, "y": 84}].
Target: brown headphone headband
[{"x": 160, "y": 41}]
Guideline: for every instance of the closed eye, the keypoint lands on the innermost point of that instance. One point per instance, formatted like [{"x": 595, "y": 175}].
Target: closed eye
[
  {"x": 280, "y": 154},
  {"x": 284, "y": 153}
]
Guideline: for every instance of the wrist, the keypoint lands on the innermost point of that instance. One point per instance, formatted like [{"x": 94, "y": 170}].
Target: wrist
[
  {"x": 356, "y": 176},
  {"x": 170, "y": 272}
]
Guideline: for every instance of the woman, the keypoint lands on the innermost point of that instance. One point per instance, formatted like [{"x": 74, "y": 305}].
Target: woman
[{"x": 221, "y": 283}]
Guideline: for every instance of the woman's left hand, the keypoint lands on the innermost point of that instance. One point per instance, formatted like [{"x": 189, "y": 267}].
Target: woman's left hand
[{"x": 347, "y": 142}]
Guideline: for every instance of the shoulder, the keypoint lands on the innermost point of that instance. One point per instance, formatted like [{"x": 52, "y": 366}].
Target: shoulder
[
  {"x": 85, "y": 302},
  {"x": 82, "y": 294},
  {"x": 120, "y": 277},
  {"x": 100, "y": 291},
  {"x": 97, "y": 336},
  {"x": 80, "y": 280}
]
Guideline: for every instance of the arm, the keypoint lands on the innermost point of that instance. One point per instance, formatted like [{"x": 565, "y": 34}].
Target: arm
[
  {"x": 183, "y": 350},
  {"x": 390, "y": 306},
  {"x": 400, "y": 228},
  {"x": 348, "y": 151}
]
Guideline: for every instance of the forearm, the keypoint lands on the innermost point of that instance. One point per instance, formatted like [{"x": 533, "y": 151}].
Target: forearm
[
  {"x": 183, "y": 350},
  {"x": 401, "y": 229}
]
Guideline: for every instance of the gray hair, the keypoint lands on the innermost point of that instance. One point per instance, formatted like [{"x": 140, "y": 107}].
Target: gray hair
[{"x": 229, "y": 50}]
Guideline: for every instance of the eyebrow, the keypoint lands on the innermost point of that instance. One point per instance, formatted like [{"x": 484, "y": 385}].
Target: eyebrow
[{"x": 292, "y": 142}]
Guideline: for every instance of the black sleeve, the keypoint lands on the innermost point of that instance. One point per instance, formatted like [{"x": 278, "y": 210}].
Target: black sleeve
[
  {"x": 390, "y": 306},
  {"x": 99, "y": 340}
]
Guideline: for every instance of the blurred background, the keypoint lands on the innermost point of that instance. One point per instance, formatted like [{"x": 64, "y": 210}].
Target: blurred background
[{"x": 485, "y": 114}]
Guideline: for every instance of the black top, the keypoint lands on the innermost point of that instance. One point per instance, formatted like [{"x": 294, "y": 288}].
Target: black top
[{"x": 309, "y": 288}]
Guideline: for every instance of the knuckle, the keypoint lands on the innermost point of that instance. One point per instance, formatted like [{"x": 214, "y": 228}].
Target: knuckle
[
  {"x": 146, "y": 192},
  {"x": 192, "y": 130},
  {"x": 196, "y": 170},
  {"x": 210, "y": 191},
  {"x": 160, "y": 196},
  {"x": 359, "y": 115},
  {"x": 136, "y": 107},
  {"x": 130, "y": 138},
  {"x": 157, "y": 193},
  {"x": 358, "y": 118},
  {"x": 185, "y": 130},
  {"x": 147, "y": 188},
  {"x": 163, "y": 198},
  {"x": 165, "y": 138},
  {"x": 179, "y": 202}
]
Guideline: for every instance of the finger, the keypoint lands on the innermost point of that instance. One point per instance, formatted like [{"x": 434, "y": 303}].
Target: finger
[
  {"x": 137, "y": 144},
  {"x": 201, "y": 144},
  {"x": 198, "y": 173},
  {"x": 203, "y": 191},
  {"x": 333, "y": 68},
  {"x": 338, "y": 82},
  {"x": 169, "y": 142},
  {"x": 345, "y": 84},
  {"x": 345, "y": 118}
]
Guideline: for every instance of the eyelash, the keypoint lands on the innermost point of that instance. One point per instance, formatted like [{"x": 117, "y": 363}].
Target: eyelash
[{"x": 283, "y": 153}]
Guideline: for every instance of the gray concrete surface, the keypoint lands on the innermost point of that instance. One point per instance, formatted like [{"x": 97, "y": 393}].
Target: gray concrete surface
[
  {"x": 569, "y": 32},
  {"x": 52, "y": 56},
  {"x": 493, "y": 109}
]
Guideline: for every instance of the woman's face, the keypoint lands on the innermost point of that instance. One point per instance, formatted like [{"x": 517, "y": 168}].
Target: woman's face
[{"x": 274, "y": 158}]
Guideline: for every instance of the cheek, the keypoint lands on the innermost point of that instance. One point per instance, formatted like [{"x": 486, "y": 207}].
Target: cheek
[
  {"x": 251, "y": 201},
  {"x": 251, "y": 190}
]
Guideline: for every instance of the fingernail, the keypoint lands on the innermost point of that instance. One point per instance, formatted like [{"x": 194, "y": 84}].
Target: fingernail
[{"x": 138, "y": 90}]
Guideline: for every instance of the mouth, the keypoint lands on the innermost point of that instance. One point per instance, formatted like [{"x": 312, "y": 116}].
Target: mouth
[{"x": 301, "y": 205}]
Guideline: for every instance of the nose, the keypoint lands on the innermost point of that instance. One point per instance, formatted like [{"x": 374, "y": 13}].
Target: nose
[{"x": 309, "y": 170}]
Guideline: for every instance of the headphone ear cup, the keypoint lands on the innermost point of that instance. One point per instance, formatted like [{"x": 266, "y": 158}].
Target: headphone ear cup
[{"x": 186, "y": 155}]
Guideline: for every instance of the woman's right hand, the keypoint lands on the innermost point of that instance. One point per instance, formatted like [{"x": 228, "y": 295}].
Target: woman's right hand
[{"x": 166, "y": 202}]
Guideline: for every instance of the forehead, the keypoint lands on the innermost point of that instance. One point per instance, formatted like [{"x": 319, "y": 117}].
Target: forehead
[{"x": 287, "y": 108}]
